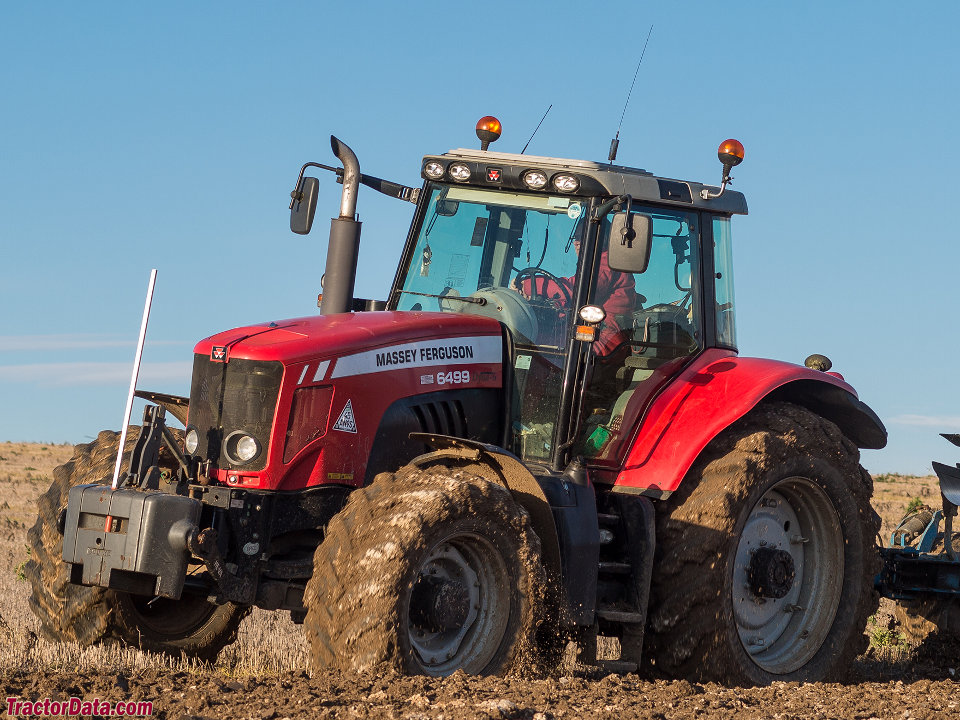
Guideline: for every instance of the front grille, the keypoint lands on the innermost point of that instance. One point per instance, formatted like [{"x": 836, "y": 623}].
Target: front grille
[{"x": 237, "y": 395}]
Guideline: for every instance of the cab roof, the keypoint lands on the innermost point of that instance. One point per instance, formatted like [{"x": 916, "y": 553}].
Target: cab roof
[{"x": 595, "y": 179}]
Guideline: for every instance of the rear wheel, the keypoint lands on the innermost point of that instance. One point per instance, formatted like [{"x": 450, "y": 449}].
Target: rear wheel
[
  {"x": 86, "y": 615},
  {"x": 431, "y": 571},
  {"x": 765, "y": 556}
]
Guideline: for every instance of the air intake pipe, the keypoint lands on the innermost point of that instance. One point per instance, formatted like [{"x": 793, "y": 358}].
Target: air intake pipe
[{"x": 344, "y": 250}]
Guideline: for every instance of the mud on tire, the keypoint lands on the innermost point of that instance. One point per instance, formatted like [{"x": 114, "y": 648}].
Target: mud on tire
[
  {"x": 429, "y": 571},
  {"x": 766, "y": 555},
  {"x": 89, "y": 614}
]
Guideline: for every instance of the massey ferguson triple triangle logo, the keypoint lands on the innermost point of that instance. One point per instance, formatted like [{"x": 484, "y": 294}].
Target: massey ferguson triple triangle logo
[{"x": 218, "y": 353}]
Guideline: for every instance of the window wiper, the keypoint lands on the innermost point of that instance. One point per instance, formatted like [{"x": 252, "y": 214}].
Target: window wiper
[{"x": 478, "y": 301}]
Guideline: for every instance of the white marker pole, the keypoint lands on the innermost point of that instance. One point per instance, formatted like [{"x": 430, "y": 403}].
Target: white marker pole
[{"x": 133, "y": 379}]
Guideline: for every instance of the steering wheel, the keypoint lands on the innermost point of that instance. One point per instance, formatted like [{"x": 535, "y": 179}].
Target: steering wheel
[{"x": 532, "y": 272}]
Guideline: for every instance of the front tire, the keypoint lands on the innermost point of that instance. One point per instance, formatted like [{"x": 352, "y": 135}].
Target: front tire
[
  {"x": 430, "y": 571},
  {"x": 765, "y": 555},
  {"x": 86, "y": 615}
]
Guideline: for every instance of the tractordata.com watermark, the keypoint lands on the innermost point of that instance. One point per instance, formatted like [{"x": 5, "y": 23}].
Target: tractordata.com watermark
[{"x": 77, "y": 707}]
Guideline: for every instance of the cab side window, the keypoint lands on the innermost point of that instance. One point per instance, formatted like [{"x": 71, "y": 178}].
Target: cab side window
[{"x": 654, "y": 335}]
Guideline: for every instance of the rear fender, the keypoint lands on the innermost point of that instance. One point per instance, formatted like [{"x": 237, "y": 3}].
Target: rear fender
[{"x": 715, "y": 391}]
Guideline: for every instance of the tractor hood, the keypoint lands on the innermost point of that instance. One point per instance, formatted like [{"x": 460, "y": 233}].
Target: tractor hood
[{"x": 323, "y": 336}]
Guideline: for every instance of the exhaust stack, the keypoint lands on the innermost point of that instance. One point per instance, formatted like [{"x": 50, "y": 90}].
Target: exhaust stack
[{"x": 340, "y": 275}]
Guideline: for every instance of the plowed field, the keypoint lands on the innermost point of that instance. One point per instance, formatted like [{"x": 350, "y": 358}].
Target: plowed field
[{"x": 265, "y": 674}]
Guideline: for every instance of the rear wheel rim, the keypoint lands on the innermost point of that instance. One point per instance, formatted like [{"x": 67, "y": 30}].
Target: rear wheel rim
[
  {"x": 473, "y": 563},
  {"x": 795, "y": 518}
]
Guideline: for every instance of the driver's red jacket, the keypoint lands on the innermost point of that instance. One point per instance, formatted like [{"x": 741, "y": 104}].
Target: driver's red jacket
[{"x": 616, "y": 294}]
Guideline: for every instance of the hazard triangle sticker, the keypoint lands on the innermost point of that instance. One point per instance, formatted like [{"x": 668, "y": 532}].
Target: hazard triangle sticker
[{"x": 346, "y": 422}]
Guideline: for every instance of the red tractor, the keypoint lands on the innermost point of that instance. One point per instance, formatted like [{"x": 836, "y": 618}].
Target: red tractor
[{"x": 543, "y": 434}]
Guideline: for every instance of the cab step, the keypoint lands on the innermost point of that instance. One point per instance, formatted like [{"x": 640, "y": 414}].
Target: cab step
[
  {"x": 615, "y": 568},
  {"x": 620, "y": 616}
]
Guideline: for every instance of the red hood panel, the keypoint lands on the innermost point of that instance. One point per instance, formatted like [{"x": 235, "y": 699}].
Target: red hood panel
[{"x": 299, "y": 339}]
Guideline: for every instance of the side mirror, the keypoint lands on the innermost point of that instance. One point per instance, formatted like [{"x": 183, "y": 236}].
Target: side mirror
[
  {"x": 630, "y": 239},
  {"x": 304, "y": 205}
]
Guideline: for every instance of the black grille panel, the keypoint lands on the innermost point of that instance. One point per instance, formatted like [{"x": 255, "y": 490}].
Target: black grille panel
[
  {"x": 238, "y": 395},
  {"x": 443, "y": 417}
]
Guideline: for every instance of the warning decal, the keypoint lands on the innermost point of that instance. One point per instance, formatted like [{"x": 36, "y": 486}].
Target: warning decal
[{"x": 346, "y": 422}]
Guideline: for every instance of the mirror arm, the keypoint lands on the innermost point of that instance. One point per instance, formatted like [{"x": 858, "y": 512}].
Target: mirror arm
[
  {"x": 297, "y": 194},
  {"x": 606, "y": 207},
  {"x": 391, "y": 189},
  {"x": 602, "y": 210}
]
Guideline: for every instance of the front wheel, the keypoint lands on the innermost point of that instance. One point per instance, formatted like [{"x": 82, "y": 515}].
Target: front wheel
[
  {"x": 431, "y": 571},
  {"x": 766, "y": 558},
  {"x": 86, "y": 615},
  {"x": 191, "y": 625}
]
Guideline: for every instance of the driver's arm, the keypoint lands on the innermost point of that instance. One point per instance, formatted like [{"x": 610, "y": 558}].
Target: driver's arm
[{"x": 617, "y": 295}]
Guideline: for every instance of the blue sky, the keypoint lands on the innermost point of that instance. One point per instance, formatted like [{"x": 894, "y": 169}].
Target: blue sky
[{"x": 168, "y": 135}]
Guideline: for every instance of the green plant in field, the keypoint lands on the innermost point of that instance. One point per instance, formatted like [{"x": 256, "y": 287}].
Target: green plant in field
[
  {"x": 28, "y": 468},
  {"x": 887, "y": 640},
  {"x": 914, "y": 505},
  {"x": 21, "y": 568}
]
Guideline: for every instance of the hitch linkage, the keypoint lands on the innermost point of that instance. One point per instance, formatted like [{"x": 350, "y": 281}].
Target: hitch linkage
[{"x": 144, "y": 469}]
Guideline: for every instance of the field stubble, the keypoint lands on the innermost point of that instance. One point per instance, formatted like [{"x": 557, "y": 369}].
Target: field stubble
[{"x": 264, "y": 674}]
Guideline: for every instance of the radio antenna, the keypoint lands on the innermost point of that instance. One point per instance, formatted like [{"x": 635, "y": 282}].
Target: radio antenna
[
  {"x": 615, "y": 143},
  {"x": 536, "y": 128}
]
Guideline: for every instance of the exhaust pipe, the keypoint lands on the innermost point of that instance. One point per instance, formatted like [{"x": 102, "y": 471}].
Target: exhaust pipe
[{"x": 344, "y": 249}]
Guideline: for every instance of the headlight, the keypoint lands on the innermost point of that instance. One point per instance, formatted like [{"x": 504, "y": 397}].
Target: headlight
[
  {"x": 592, "y": 314},
  {"x": 433, "y": 170},
  {"x": 247, "y": 448},
  {"x": 240, "y": 448},
  {"x": 191, "y": 441},
  {"x": 459, "y": 172},
  {"x": 566, "y": 183},
  {"x": 535, "y": 179}
]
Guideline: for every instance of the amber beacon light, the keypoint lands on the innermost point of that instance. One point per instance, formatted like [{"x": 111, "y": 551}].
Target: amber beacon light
[
  {"x": 730, "y": 153},
  {"x": 488, "y": 130}
]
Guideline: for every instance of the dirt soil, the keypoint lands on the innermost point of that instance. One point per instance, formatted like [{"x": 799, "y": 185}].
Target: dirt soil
[
  {"x": 386, "y": 695},
  {"x": 892, "y": 680}
]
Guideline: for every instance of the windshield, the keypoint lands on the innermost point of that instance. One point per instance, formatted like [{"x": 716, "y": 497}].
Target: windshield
[
  {"x": 512, "y": 257},
  {"x": 504, "y": 255}
]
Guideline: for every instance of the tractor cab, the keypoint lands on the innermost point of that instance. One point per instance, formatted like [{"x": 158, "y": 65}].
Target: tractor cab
[{"x": 595, "y": 324}]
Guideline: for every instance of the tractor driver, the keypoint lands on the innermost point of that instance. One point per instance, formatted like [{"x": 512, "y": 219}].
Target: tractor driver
[{"x": 616, "y": 294}]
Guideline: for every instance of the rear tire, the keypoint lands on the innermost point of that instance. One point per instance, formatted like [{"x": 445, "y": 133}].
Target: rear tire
[
  {"x": 765, "y": 556},
  {"x": 87, "y": 615},
  {"x": 430, "y": 571}
]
